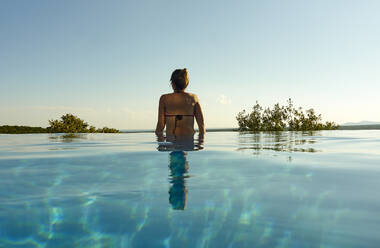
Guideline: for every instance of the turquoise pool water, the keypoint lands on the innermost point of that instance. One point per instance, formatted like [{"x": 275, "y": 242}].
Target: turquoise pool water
[{"x": 236, "y": 190}]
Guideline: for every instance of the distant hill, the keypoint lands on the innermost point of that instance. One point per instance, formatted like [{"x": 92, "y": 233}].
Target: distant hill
[
  {"x": 366, "y": 123},
  {"x": 360, "y": 127}
]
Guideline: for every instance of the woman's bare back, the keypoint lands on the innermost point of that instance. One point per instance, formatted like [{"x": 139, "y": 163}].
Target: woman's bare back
[{"x": 177, "y": 111}]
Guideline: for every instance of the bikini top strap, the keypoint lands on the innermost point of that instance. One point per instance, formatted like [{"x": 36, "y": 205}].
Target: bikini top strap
[{"x": 166, "y": 114}]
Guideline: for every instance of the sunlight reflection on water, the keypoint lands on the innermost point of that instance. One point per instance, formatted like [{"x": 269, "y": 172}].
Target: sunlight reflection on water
[{"x": 283, "y": 189}]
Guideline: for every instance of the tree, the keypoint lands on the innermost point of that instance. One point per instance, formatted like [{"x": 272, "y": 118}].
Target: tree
[
  {"x": 21, "y": 129},
  {"x": 69, "y": 123},
  {"x": 107, "y": 130},
  {"x": 281, "y": 118}
]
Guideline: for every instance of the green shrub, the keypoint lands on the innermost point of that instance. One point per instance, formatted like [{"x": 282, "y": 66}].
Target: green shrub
[
  {"x": 281, "y": 118},
  {"x": 69, "y": 123},
  {"x": 21, "y": 129}
]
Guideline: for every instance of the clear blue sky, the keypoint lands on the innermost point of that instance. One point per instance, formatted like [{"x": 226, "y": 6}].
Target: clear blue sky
[{"x": 109, "y": 61}]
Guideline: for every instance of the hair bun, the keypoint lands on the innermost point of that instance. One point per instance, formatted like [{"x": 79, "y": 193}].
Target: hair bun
[{"x": 180, "y": 79}]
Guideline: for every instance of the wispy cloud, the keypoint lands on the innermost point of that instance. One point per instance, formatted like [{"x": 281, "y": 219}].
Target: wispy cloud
[{"x": 223, "y": 99}]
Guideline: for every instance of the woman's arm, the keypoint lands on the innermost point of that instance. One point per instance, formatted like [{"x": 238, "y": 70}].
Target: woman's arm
[
  {"x": 199, "y": 118},
  {"x": 161, "y": 117}
]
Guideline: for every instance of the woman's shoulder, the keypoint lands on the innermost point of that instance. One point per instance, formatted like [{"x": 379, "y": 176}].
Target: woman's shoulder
[
  {"x": 168, "y": 96},
  {"x": 193, "y": 96},
  {"x": 163, "y": 96}
]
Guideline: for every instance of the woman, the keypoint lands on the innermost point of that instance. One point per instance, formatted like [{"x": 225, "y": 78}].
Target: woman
[{"x": 178, "y": 109}]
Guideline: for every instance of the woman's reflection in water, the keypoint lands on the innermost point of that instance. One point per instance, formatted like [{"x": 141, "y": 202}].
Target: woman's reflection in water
[
  {"x": 178, "y": 166},
  {"x": 178, "y": 172}
]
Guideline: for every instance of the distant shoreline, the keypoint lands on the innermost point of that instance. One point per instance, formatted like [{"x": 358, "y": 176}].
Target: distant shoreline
[
  {"x": 350, "y": 127},
  {"x": 210, "y": 130},
  {"x": 207, "y": 130}
]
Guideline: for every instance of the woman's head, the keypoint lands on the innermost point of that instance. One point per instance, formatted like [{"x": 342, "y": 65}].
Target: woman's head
[{"x": 179, "y": 79}]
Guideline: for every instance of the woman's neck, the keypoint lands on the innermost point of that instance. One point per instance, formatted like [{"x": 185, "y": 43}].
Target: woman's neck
[{"x": 179, "y": 91}]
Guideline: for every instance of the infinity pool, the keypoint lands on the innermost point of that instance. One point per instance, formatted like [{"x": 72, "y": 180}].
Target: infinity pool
[{"x": 284, "y": 189}]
